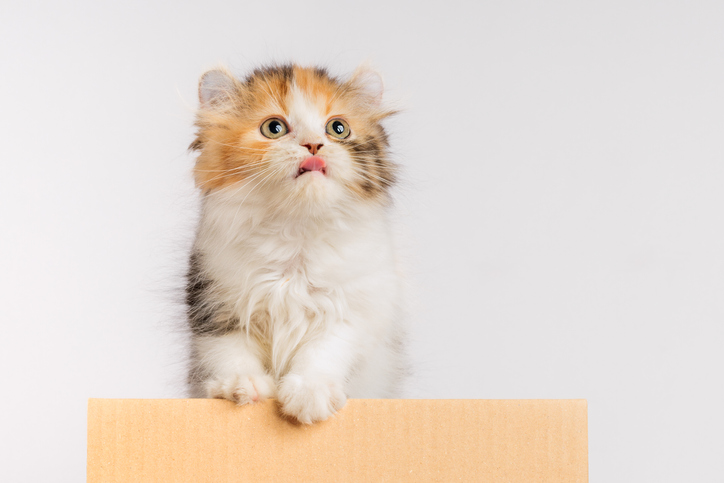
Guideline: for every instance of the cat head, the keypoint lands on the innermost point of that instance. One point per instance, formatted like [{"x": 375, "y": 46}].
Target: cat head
[{"x": 293, "y": 136}]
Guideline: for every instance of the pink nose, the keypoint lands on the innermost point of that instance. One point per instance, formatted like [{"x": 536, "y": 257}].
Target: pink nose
[
  {"x": 313, "y": 148},
  {"x": 313, "y": 163}
]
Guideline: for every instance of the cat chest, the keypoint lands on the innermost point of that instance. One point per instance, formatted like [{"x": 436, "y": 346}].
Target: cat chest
[
  {"x": 276, "y": 278},
  {"x": 269, "y": 285}
]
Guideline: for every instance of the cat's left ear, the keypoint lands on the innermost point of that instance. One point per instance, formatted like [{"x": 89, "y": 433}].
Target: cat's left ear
[
  {"x": 370, "y": 82},
  {"x": 217, "y": 87}
]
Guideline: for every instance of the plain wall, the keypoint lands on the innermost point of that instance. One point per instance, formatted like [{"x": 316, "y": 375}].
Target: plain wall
[{"x": 560, "y": 211}]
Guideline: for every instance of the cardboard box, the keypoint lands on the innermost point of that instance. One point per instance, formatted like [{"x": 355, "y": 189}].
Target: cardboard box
[{"x": 209, "y": 440}]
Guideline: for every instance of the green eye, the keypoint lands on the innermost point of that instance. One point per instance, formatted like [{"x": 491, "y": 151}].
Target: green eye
[
  {"x": 338, "y": 128},
  {"x": 274, "y": 128}
]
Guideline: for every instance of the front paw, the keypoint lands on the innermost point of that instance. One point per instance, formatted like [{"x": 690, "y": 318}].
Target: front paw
[
  {"x": 309, "y": 400},
  {"x": 241, "y": 389}
]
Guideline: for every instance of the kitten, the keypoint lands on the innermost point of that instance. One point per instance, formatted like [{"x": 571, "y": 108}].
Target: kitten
[{"x": 292, "y": 288}]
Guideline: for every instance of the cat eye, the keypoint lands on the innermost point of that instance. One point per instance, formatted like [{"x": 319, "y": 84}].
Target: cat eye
[
  {"x": 338, "y": 128},
  {"x": 274, "y": 128}
]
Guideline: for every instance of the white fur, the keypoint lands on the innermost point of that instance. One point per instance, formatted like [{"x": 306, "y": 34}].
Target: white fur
[{"x": 309, "y": 270}]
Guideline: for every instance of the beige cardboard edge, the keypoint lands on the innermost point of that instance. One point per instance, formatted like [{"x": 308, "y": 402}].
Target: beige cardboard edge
[{"x": 200, "y": 440}]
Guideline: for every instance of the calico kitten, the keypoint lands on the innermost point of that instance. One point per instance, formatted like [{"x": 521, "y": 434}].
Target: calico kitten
[{"x": 292, "y": 288}]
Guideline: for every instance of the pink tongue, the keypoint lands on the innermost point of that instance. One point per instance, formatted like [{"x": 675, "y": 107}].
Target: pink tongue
[{"x": 313, "y": 163}]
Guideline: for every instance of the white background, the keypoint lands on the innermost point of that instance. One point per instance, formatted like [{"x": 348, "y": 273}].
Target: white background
[{"x": 561, "y": 208}]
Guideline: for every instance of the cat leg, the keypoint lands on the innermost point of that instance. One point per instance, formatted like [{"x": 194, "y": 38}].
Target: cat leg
[
  {"x": 232, "y": 369},
  {"x": 314, "y": 387}
]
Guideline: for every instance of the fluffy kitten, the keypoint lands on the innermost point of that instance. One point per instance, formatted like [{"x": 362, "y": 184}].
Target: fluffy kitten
[{"x": 292, "y": 288}]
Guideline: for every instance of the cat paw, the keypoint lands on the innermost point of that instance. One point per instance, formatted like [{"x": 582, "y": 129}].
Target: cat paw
[
  {"x": 241, "y": 389},
  {"x": 310, "y": 400}
]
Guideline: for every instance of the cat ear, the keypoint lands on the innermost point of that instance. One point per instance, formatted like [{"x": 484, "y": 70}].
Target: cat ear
[
  {"x": 216, "y": 87},
  {"x": 369, "y": 81}
]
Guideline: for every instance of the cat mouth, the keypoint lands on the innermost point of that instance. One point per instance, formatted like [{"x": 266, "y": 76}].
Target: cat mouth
[{"x": 313, "y": 164}]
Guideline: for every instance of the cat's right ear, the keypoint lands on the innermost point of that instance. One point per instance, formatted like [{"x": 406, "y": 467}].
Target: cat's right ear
[
  {"x": 369, "y": 82},
  {"x": 217, "y": 87}
]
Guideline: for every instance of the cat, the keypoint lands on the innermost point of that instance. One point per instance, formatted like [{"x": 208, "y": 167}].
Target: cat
[{"x": 293, "y": 291}]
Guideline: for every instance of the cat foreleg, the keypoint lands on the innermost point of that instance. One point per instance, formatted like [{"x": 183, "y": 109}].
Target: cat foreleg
[
  {"x": 314, "y": 387},
  {"x": 233, "y": 368}
]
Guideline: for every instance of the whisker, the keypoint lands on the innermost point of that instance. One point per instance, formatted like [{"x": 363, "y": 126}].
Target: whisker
[
  {"x": 238, "y": 167},
  {"x": 367, "y": 151},
  {"x": 238, "y": 146},
  {"x": 240, "y": 170},
  {"x": 267, "y": 177},
  {"x": 374, "y": 178},
  {"x": 247, "y": 181},
  {"x": 226, "y": 174}
]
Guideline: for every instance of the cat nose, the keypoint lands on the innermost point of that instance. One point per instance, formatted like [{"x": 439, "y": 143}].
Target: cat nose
[{"x": 313, "y": 148}]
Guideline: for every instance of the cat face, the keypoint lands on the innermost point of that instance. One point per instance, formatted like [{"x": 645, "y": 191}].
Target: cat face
[{"x": 291, "y": 135}]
